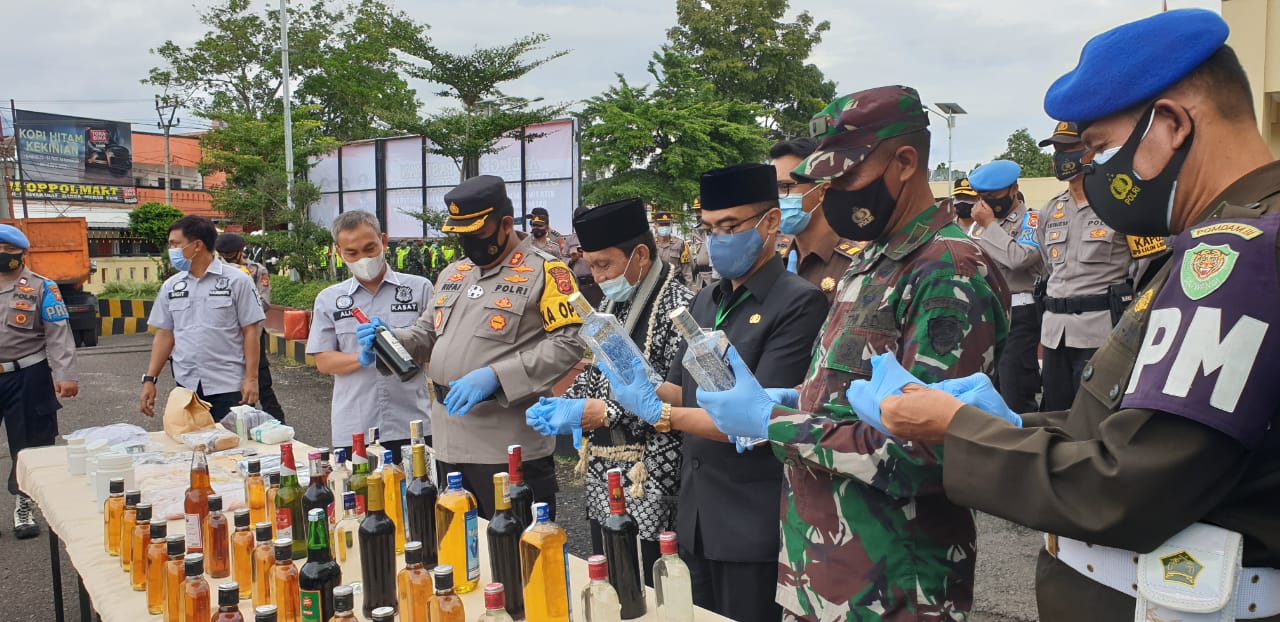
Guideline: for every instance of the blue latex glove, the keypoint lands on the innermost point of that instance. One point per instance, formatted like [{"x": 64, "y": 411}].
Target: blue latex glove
[
  {"x": 743, "y": 410},
  {"x": 786, "y": 397},
  {"x": 470, "y": 390},
  {"x": 640, "y": 397},
  {"x": 887, "y": 378},
  {"x": 366, "y": 332},
  {"x": 976, "y": 390},
  {"x": 555, "y": 416}
]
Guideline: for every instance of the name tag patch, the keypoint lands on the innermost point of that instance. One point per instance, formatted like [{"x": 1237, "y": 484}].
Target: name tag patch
[
  {"x": 179, "y": 294},
  {"x": 409, "y": 306},
  {"x": 343, "y": 314},
  {"x": 220, "y": 292}
]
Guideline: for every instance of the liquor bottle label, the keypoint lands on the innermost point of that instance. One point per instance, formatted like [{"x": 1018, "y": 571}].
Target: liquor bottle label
[
  {"x": 568, "y": 591},
  {"x": 195, "y": 532},
  {"x": 473, "y": 546},
  {"x": 360, "y": 499},
  {"x": 284, "y": 523},
  {"x": 328, "y": 509},
  {"x": 404, "y": 509},
  {"x": 310, "y": 606}
]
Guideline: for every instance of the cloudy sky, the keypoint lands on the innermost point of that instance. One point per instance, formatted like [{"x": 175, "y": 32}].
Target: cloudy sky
[{"x": 993, "y": 57}]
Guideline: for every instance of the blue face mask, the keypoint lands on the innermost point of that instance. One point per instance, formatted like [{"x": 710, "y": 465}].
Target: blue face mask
[
  {"x": 733, "y": 254},
  {"x": 794, "y": 218},
  {"x": 619, "y": 289},
  {"x": 179, "y": 261},
  {"x": 664, "y": 231}
]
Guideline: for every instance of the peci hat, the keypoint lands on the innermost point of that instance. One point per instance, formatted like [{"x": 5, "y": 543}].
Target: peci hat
[
  {"x": 741, "y": 184},
  {"x": 852, "y": 126},
  {"x": 471, "y": 202},
  {"x": 610, "y": 224}
]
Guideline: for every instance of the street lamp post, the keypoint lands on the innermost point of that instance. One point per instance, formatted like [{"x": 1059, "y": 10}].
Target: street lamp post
[{"x": 948, "y": 111}]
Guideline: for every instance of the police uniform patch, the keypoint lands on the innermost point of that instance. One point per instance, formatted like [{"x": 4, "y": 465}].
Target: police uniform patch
[
  {"x": 1182, "y": 568},
  {"x": 516, "y": 258},
  {"x": 1033, "y": 218},
  {"x": 522, "y": 268},
  {"x": 26, "y": 289},
  {"x": 222, "y": 283},
  {"x": 1055, "y": 235},
  {"x": 439, "y": 319},
  {"x": 1239, "y": 229},
  {"x": 1140, "y": 246},
  {"x": 1054, "y": 252},
  {"x": 1058, "y": 214},
  {"x": 1098, "y": 234},
  {"x": 456, "y": 277},
  {"x": 515, "y": 279},
  {"x": 828, "y": 284},
  {"x": 179, "y": 286},
  {"x": 22, "y": 280},
  {"x": 266, "y": 280},
  {"x": 497, "y": 322},
  {"x": 563, "y": 278},
  {"x": 503, "y": 303},
  {"x": 555, "y": 307},
  {"x": 344, "y": 302},
  {"x": 1205, "y": 268},
  {"x": 945, "y": 333},
  {"x": 465, "y": 267},
  {"x": 21, "y": 305},
  {"x": 441, "y": 299},
  {"x": 475, "y": 291},
  {"x": 21, "y": 318},
  {"x": 404, "y": 293}
]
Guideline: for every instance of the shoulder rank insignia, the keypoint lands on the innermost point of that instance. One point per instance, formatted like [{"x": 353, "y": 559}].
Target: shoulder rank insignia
[
  {"x": 456, "y": 276},
  {"x": 441, "y": 300},
  {"x": 465, "y": 267},
  {"x": 516, "y": 258},
  {"x": 522, "y": 268},
  {"x": 828, "y": 284},
  {"x": 515, "y": 279},
  {"x": 1239, "y": 229},
  {"x": 1098, "y": 234}
]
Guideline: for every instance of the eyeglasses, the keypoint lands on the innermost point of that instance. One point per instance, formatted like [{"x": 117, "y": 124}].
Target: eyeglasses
[{"x": 730, "y": 229}]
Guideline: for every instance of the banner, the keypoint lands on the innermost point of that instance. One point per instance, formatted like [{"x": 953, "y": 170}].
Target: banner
[{"x": 74, "y": 159}]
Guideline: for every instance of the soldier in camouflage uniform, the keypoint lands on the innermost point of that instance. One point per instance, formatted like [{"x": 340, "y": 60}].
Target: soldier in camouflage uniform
[{"x": 866, "y": 530}]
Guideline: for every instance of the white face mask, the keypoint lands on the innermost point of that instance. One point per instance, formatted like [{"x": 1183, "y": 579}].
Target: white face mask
[{"x": 368, "y": 268}]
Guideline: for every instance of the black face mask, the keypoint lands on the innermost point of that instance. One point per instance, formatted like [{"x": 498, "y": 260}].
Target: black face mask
[
  {"x": 10, "y": 261},
  {"x": 539, "y": 233},
  {"x": 1127, "y": 203},
  {"x": 482, "y": 251},
  {"x": 860, "y": 214},
  {"x": 1000, "y": 207},
  {"x": 1066, "y": 164},
  {"x": 964, "y": 209}
]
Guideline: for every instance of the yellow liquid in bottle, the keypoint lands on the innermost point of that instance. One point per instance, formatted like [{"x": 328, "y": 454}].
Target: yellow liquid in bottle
[
  {"x": 156, "y": 558},
  {"x": 128, "y": 519},
  {"x": 542, "y": 564},
  {"x": 242, "y": 561},
  {"x": 455, "y": 530},
  {"x": 284, "y": 585},
  {"x": 112, "y": 513},
  {"x": 264, "y": 559},
  {"x": 255, "y": 495},
  {"x": 393, "y": 484},
  {"x": 139, "y": 540},
  {"x": 174, "y": 577},
  {"x": 414, "y": 589}
]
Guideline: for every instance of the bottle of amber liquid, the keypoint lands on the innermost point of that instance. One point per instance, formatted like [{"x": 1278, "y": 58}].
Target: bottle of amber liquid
[
  {"x": 413, "y": 585},
  {"x": 458, "y": 532},
  {"x": 139, "y": 538},
  {"x": 393, "y": 494},
  {"x": 217, "y": 546},
  {"x": 446, "y": 605},
  {"x": 174, "y": 573},
  {"x": 543, "y": 566},
  {"x": 255, "y": 493},
  {"x": 112, "y": 511},
  {"x": 195, "y": 590},
  {"x": 196, "y": 503},
  {"x": 228, "y": 603},
  {"x": 265, "y": 613},
  {"x": 242, "y": 552},
  {"x": 273, "y": 487},
  {"x": 156, "y": 556},
  {"x": 264, "y": 559},
  {"x": 344, "y": 609},
  {"x": 128, "y": 518},
  {"x": 284, "y": 582}
]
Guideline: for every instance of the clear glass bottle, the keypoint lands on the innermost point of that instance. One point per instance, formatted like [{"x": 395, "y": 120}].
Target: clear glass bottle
[
  {"x": 195, "y": 590},
  {"x": 495, "y": 609},
  {"x": 228, "y": 603},
  {"x": 217, "y": 544},
  {"x": 346, "y": 545},
  {"x": 112, "y": 511},
  {"x": 672, "y": 582},
  {"x": 420, "y": 497},
  {"x": 128, "y": 518},
  {"x": 321, "y": 573},
  {"x": 393, "y": 494},
  {"x": 264, "y": 560},
  {"x": 373, "y": 451},
  {"x": 543, "y": 560},
  {"x": 359, "y": 480},
  {"x": 344, "y": 609},
  {"x": 139, "y": 539},
  {"x": 599, "y": 600},
  {"x": 242, "y": 552},
  {"x": 156, "y": 557},
  {"x": 609, "y": 342},
  {"x": 704, "y": 357},
  {"x": 503, "y": 536},
  {"x": 284, "y": 582},
  {"x": 196, "y": 502},
  {"x": 338, "y": 478},
  {"x": 458, "y": 532},
  {"x": 446, "y": 605},
  {"x": 621, "y": 535},
  {"x": 413, "y": 585},
  {"x": 174, "y": 574},
  {"x": 255, "y": 493},
  {"x": 377, "y": 553}
]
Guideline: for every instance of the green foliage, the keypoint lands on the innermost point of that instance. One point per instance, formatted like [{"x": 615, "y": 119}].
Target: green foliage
[
  {"x": 130, "y": 290},
  {"x": 749, "y": 54},
  {"x": 1021, "y": 147},
  {"x": 300, "y": 249},
  {"x": 655, "y": 142},
  {"x": 152, "y": 220},
  {"x": 296, "y": 294}
]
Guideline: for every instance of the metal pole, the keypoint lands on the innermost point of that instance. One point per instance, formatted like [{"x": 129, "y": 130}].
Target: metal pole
[
  {"x": 288, "y": 114},
  {"x": 524, "y": 195},
  {"x": 166, "y": 104},
  {"x": 168, "y": 181},
  {"x": 6, "y": 210},
  {"x": 951, "y": 122},
  {"x": 17, "y": 150}
]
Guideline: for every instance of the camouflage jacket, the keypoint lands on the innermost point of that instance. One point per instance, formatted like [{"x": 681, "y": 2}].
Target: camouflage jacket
[{"x": 867, "y": 532}]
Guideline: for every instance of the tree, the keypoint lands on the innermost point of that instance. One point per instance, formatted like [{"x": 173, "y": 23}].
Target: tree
[
  {"x": 748, "y": 53},
  {"x": 1022, "y": 148},
  {"x": 654, "y": 143},
  {"x": 474, "y": 80},
  {"x": 151, "y": 221}
]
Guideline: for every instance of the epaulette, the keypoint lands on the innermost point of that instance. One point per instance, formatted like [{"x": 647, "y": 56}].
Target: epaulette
[
  {"x": 848, "y": 248},
  {"x": 544, "y": 254}
]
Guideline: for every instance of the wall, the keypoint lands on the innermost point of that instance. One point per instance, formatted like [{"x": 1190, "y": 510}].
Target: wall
[
  {"x": 1037, "y": 190},
  {"x": 1255, "y": 36},
  {"x": 120, "y": 269}
]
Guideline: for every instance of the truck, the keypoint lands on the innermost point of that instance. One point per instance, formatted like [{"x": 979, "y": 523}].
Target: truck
[{"x": 60, "y": 252}]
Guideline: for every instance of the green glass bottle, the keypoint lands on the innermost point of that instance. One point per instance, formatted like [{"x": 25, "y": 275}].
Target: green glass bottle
[
  {"x": 321, "y": 573},
  {"x": 291, "y": 519}
]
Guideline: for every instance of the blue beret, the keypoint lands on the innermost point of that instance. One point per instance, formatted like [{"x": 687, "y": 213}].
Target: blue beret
[
  {"x": 1133, "y": 63},
  {"x": 995, "y": 175},
  {"x": 10, "y": 234}
]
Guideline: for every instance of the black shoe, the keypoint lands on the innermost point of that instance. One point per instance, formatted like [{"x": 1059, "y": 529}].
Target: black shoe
[{"x": 24, "y": 520}]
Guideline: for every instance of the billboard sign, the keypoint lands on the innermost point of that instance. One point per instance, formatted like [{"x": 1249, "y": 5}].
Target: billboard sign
[{"x": 73, "y": 159}]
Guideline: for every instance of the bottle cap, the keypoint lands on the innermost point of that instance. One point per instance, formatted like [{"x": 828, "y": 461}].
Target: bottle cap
[
  {"x": 412, "y": 552},
  {"x": 387, "y": 456},
  {"x": 374, "y": 433},
  {"x": 357, "y": 443},
  {"x": 317, "y": 515},
  {"x": 494, "y": 596},
  {"x": 273, "y": 478},
  {"x": 384, "y": 614},
  {"x": 349, "y": 501},
  {"x": 598, "y": 568},
  {"x": 255, "y": 466},
  {"x": 442, "y": 577},
  {"x": 541, "y": 513},
  {"x": 144, "y": 512},
  {"x": 284, "y": 548},
  {"x": 158, "y": 531},
  {"x": 215, "y": 503},
  {"x": 515, "y": 456},
  {"x": 455, "y": 480},
  {"x": 132, "y": 497},
  {"x": 116, "y": 486},
  {"x": 667, "y": 543},
  {"x": 240, "y": 518},
  {"x": 194, "y": 564},
  {"x": 265, "y": 613},
  {"x": 228, "y": 594},
  {"x": 175, "y": 544},
  {"x": 262, "y": 532},
  {"x": 343, "y": 599},
  {"x": 324, "y": 453},
  {"x": 340, "y": 455},
  {"x": 313, "y": 455}
]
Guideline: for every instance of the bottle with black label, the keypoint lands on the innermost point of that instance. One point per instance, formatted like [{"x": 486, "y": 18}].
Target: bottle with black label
[{"x": 393, "y": 358}]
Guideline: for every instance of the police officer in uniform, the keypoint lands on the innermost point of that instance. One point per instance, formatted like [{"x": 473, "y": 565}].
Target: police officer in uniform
[
  {"x": 207, "y": 319},
  {"x": 822, "y": 256},
  {"x": 230, "y": 247},
  {"x": 702, "y": 270},
  {"x": 542, "y": 239},
  {"x": 963, "y": 198},
  {"x": 1006, "y": 230},
  {"x": 504, "y": 332},
  {"x": 1090, "y": 273},
  {"x": 671, "y": 248},
  {"x": 363, "y": 397},
  {"x": 1161, "y": 481},
  {"x": 37, "y": 363},
  {"x": 553, "y": 236}
]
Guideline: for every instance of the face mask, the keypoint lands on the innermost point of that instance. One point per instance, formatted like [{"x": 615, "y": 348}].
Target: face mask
[
  {"x": 619, "y": 289},
  {"x": 664, "y": 231},
  {"x": 1000, "y": 207},
  {"x": 539, "y": 233},
  {"x": 860, "y": 214},
  {"x": 10, "y": 261},
  {"x": 794, "y": 218},
  {"x": 1125, "y": 201},
  {"x": 368, "y": 268},
  {"x": 964, "y": 209},
  {"x": 482, "y": 251},
  {"x": 1066, "y": 164},
  {"x": 180, "y": 261},
  {"x": 733, "y": 254}
]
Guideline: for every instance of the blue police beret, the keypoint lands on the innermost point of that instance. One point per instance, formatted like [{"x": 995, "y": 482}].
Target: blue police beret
[
  {"x": 10, "y": 234},
  {"x": 1133, "y": 63},
  {"x": 995, "y": 175}
]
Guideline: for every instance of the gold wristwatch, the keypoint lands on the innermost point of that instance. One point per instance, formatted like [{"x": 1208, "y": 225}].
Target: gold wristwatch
[{"x": 664, "y": 420}]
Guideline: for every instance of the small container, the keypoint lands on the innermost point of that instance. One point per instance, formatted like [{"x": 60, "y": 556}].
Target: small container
[
  {"x": 113, "y": 465},
  {"x": 76, "y": 456}
]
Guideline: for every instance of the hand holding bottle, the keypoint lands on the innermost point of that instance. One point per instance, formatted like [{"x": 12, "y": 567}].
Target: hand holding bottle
[
  {"x": 478, "y": 385},
  {"x": 366, "y": 331},
  {"x": 640, "y": 396},
  {"x": 743, "y": 410},
  {"x": 555, "y": 416}
]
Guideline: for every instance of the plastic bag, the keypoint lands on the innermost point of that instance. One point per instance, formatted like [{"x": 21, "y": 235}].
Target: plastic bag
[
  {"x": 271, "y": 433},
  {"x": 244, "y": 418},
  {"x": 113, "y": 434},
  {"x": 213, "y": 439}
]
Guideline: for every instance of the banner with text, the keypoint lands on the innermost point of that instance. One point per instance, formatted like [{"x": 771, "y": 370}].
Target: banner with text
[{"x": 73, "y": 159}]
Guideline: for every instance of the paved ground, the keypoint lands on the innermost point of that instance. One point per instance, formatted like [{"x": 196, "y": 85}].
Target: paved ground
[{"x": 109, "y": 393}]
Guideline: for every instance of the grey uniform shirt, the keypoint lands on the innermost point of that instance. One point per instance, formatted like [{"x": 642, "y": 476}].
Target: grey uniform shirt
[
  {"x": 676, "y": 253},
  {"x": 365, "y": 398},
  {"x": 1011, "y": 243},
  {"x": 206, "y": 315},
  {"x": 35, "y": 319},
  {"x": 1082, "y": 257},
  {"x": 514, "y": 318}
]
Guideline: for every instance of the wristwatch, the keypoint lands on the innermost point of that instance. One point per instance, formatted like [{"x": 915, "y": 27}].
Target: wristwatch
[
  {"x": 664, "y": 420},
  {"x": 146, "y": 379}
]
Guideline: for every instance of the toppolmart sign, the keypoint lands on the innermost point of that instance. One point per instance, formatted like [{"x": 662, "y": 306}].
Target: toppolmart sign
[{"x": 74, "y": 159}]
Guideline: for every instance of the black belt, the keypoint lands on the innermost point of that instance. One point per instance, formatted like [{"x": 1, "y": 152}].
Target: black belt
[{"x": 1078, "y": 304}]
